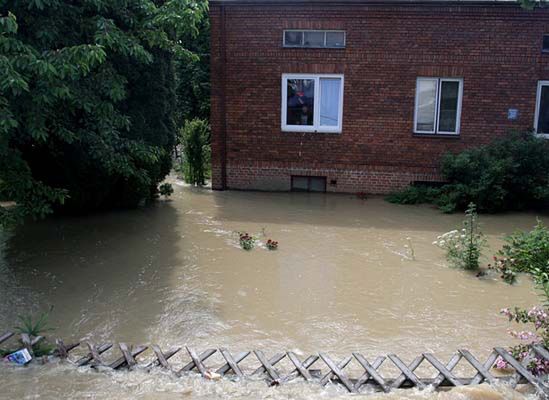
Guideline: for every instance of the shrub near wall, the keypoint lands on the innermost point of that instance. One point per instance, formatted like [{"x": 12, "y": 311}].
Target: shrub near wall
[
  {"x": 195, "y": 139},
  {"x": 509, "y": 174}
]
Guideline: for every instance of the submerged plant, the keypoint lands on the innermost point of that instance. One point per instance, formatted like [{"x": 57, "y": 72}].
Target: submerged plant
[
  {"x": 464, "y": 247},
  {"x": 33, "y": 327},
  {"x": 246, "y": 241},
  {"x": 504, "y": 266},
  {"x": 165, "y": 190},
  {"x": 410, "y": 252},
  {"x": 530, "y": 250}
]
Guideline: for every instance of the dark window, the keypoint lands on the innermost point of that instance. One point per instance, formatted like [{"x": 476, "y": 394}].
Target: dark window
[
  {"x": 293, "y": 38},
  {"x": 314, "y": 38},
  {"x": 308, "y": 183},
  {"x": 335, "y": 39},
  {"x": 545, "y": 47},
  {"x": 449, "y": 95},
  {"x": 543, "y": 109}
]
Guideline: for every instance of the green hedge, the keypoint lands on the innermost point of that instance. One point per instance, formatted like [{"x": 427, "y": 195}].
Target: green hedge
[{"x": 511, "y": 173}]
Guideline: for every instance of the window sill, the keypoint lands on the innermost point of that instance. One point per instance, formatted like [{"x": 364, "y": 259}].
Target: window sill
[
  {"x": 542, "y": 135},
  {"x": 311, "y": 132},
  {"x": 314, "y": 47},
  {"x": 438, "y": 135}
]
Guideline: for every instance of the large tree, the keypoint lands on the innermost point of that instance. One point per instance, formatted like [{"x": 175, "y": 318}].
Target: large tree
[
  {"x": 87, "y": 100},
  {"x": 193, "y": 78}
]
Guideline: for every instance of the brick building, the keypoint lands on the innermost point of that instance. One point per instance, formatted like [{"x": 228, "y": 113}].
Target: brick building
[{"x": 366, "y": 96}]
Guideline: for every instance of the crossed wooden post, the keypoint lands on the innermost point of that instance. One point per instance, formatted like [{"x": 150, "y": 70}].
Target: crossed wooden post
[{"x": 333, "y": 372}]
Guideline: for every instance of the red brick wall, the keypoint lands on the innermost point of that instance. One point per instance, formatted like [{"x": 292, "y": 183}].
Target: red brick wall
[{"x": 495, "y": 49}]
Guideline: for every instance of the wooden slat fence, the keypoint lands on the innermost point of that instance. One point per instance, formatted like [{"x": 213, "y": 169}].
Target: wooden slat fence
[{"x": 329, "y": 370}]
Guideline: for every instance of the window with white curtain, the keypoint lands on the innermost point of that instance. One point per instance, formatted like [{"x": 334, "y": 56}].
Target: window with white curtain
[
  {"x": 312, "y": 103},
  {"x": 438, "y": 106},
  {"x": 541, "y": 122}
]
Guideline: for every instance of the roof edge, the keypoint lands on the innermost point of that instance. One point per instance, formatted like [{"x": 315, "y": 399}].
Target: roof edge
[{"x": 484, "y": 3}]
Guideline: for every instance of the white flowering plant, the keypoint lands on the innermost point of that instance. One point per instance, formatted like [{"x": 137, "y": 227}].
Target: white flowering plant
[{"x": 464, "y": 246}]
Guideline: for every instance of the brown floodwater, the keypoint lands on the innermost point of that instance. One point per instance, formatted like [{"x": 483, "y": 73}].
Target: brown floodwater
[{"x": 349, "y": 275}]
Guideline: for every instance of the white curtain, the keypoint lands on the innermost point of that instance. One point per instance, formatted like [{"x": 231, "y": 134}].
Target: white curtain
[
  {"x": 329, "y": 101},
  {"x": 426, "y": 104}
]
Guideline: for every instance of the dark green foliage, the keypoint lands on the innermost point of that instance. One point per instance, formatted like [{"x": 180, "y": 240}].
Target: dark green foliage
[
  {"x": 165, "y": 190},
  {"x": 510, "y": 174},
  {"x": 414, "y": 195},
  {"x": 529, "y": 251},
  {"x": 195, "y": 139},
  {"x": 193, "y": 78},
  {"x": 87, "y": 100},
  {"x": 532, "y": 4},
  {"x": 34, "y": 327}
]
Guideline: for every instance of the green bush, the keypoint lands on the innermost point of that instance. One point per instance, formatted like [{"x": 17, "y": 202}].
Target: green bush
[
  {"x": 165, "y": 190},
  {"x": 509, "y": 174},
  {"x": 528, "y": 250},
  {"x": 195, "y": 139},
  {"x": 414, "y": 195}
]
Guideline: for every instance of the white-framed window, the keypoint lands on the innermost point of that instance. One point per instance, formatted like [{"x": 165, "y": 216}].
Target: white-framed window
[
  {"x": 438, "y": 106},
  {"x": 314, "y": 38},
  {"x": 312, "y": 103},
  {"x": 541, "y": 120}
]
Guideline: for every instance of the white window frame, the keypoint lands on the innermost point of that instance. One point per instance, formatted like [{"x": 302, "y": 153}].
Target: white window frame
[
  {"x": 324, "y": 31},
  {"x": 436, "y": 130},
  {"x": 541, "y": 84},
  {"x": 316, "y": 127}
]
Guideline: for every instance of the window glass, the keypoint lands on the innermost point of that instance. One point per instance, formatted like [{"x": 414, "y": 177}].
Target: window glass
[
  {"x": 314, "y": 39},
  {"x": 546, "y": 43},
  {"x": 335, "y": 39},
  {"x": 449, "y": 94},
  {"x": 426, "y": 104},
  {"x": 330, "y": 89},
  {"x": 543, "y": 113},
  {"x": 300, "y": 102},
  {"x": 293, "y": 38}
]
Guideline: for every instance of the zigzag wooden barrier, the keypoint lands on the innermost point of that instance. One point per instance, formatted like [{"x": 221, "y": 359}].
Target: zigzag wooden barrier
[{"x": 329, "y": 372}]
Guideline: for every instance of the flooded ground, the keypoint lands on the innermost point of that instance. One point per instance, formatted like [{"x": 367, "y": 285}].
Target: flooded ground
[{"x": 342, "y": 280}]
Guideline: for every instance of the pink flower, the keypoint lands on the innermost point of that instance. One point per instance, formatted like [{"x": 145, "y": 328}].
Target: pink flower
[{"x": 501, "y": 363}]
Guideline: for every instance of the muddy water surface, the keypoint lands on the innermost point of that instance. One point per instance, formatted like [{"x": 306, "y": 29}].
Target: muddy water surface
[{"x": 350, "y": 275}]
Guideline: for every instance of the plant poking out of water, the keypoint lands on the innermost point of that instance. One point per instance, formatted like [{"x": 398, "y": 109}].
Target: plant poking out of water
[
  {"x": 33, "y": 327},
  {"x": 464, "y": 247},
  {"x": 272, "y": 245},
  {"x": 411, "y": 254},
  {"x": 539, "y": 318},
  {"x": 505, "y": 266},
  {"x": 165, "y": 190},
  {"x": 247, "y": 242},
  {"x": 530, "y": 250}
]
